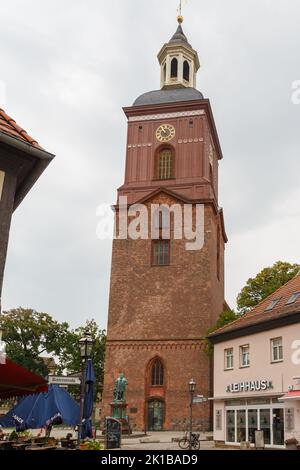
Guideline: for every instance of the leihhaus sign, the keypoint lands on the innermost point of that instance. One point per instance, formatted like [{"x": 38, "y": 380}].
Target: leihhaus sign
[{"x": 250, "y": 386}]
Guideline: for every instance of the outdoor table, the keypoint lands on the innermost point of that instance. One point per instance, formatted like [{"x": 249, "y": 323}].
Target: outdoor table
[
  {"x": 68, "y": 443},
  {"x": 6, "y": 445},
  {"x": 20, "y": 446},
  {"x": 41, "y": 448}
]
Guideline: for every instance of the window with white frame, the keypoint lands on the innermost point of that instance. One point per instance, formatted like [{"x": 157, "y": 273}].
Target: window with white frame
[
  {"x": 276, "y": 350},
  {"x": 228, "y": 356},
  {"x": 245, "y": 356}
]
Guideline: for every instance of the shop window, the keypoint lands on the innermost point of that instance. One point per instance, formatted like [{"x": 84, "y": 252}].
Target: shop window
[{"x": 230, "y": 426}]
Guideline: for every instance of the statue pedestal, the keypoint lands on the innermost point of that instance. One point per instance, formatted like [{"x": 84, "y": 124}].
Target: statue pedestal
[{"x": 119, "y": 412}]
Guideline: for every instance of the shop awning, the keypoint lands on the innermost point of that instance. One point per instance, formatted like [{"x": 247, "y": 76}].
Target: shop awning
[
  {"x": 292, "y": 395},
  {"x": 17, "y": 381}
]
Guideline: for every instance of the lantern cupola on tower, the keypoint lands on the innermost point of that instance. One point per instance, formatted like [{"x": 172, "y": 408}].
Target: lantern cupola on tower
[{"x": 179, "y": 62}]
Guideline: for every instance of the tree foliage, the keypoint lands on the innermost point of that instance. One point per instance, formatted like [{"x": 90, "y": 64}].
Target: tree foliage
[
  {"x": 225, "y": 318},
  {"x": 264, "y": 284},
  {"x": 29, "y": 334},
  {"x": 71, "y": 360}
]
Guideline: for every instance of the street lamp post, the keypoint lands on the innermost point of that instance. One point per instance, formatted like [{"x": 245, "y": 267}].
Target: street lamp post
[
  {"x": 85, "y": 345},
  {"x": 192, "y": 387}
]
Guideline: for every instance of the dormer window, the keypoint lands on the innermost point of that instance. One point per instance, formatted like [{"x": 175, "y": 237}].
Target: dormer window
[
  {"x": 186, "y": 71},
  {"x": 174, "y": 68},
  {"x": 293, "y": 298},
  {"x": 272, "y": 305}
]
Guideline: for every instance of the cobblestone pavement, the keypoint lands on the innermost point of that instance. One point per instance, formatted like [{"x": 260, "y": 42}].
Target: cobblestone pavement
[{"x": 165, "y": 442}]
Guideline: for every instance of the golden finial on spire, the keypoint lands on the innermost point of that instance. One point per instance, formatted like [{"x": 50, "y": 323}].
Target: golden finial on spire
[{"x": 179, "y": 10}]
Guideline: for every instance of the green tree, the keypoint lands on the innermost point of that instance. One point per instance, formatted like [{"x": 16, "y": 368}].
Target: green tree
[
  {"x": 28, "y": 334},
  {"x": 225, "y": 318},
  {"x": 71, "y": 360},
  {"x": 264, "y": 284}
]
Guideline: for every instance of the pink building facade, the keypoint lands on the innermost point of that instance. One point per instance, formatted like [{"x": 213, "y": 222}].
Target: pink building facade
[{"x": 257, "y": 372}]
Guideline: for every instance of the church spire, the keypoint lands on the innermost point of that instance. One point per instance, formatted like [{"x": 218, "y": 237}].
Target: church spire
[{"x": 179, "y": 61}]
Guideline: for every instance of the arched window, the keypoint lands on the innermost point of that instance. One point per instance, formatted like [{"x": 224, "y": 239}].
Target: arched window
[
  {"x": 186, "y": 71},
  {"x": 165, "y": 164},
  {"x": 165, "y": 72},
  {"x": 174, "y": 68},
  {"x": 157, "y": 373}
]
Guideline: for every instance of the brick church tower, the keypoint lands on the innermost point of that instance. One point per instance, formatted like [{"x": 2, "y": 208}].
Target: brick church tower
[{"x": 163, "y": 297}]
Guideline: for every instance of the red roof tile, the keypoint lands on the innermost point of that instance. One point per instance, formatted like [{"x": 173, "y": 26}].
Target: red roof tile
[
  {"x": 10, "y": 127},
  {"x": 261, "y": 314}
]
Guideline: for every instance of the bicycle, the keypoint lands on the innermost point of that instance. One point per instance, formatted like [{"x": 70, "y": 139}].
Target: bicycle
[{"x": 193, "y": 443}]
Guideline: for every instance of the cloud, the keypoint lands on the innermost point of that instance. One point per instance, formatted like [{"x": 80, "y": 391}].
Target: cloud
[{"x": 69, "y": 67}]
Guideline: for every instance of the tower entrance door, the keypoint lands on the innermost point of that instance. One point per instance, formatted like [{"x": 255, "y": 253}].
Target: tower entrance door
[{"x": 155, "y": 415}]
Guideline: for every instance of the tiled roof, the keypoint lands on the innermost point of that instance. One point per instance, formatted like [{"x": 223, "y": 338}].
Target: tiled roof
[
  {"x": 10, "y": 127},
  {"x": 260, "y": 313}
]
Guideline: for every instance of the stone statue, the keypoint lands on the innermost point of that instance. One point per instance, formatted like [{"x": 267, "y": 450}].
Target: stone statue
[{"x": 120, "y": 388}]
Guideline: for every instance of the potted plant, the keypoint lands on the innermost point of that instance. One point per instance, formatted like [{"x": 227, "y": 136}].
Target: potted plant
[
  {"x": 292, "y": 444},
  {"x": 92, "y": 445}
]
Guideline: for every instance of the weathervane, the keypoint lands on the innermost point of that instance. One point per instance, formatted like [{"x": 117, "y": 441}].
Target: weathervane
[{"x": 179, "y": 10}]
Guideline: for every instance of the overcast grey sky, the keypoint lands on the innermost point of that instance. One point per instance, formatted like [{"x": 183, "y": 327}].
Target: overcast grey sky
[{"x": 70, "y": 65}]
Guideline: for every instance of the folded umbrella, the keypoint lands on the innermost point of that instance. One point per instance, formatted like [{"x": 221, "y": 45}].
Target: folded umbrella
[{"x": 88, "y": 401}]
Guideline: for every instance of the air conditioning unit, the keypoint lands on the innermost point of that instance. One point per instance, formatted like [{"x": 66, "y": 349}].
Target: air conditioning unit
[{"x": 290, "y": 388}]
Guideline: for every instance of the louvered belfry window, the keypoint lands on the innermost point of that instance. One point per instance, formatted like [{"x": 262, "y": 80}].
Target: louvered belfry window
[{"x": 165, "y": 164}]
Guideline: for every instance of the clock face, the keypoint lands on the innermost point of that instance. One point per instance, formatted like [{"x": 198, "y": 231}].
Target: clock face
[{"x": 165, "y": 133}]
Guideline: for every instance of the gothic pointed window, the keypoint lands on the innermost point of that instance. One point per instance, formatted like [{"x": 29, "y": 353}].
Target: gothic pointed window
[
  {"x": 165, "y": 164},
  {"x": 186, "y": 71},
  {"x": 157, "y": 373},
  {"x": 174, "y": 68}
]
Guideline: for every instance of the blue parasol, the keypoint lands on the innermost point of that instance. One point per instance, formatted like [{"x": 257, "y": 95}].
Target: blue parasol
[{"x": 42, "y": 409}]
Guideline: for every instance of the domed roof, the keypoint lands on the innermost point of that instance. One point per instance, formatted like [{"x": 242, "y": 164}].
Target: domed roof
[{"x": 172, "y": 95}]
